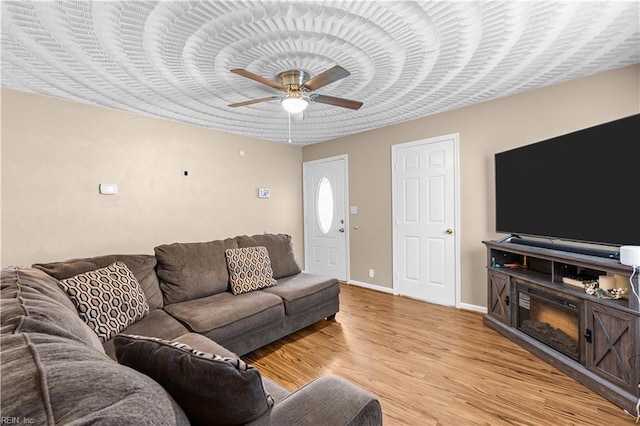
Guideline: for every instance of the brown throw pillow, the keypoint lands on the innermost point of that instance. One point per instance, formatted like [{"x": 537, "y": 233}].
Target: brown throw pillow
[
  {"x": 249, "y": 269},
  {"x": 108, "y": 299},
  {"x": 210, "y": 389}
]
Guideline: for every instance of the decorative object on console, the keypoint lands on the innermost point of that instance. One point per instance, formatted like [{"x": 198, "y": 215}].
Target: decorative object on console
[
  {"x": 604, "y": 287},
  {"x": 606, "y": 282},
  {"x": 572, "y": 281},
  {"x": 579, "y": 282},
  {"x": 621, "y": 281},
  {"x": 592, "y": 288}
]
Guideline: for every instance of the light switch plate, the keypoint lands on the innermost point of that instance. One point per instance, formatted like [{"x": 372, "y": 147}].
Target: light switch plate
[{"x": 264, "y": 193}]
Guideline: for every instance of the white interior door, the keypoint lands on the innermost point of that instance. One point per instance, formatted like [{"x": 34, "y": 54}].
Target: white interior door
[
  {"x": 325, "y": 219},
  {"x": 424, "y": 209}
]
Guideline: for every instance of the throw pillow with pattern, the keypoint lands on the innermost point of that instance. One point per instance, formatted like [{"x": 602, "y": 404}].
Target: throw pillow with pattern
[
  {"x": 108, "y": 299},
  {"x": 249, "y": 269}
]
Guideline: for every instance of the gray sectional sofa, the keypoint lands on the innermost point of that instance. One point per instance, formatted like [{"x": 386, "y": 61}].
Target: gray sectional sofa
[{"x": 180, "y": 358}]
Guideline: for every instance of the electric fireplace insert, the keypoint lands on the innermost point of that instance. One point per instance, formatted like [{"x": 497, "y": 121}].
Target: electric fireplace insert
[{"x": 553, "y": 320}]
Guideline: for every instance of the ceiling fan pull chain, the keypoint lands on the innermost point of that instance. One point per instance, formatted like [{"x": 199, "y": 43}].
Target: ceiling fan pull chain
[{"x": 289, "y": 114}]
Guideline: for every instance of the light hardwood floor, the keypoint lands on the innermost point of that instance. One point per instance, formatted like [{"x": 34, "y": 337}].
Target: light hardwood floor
[{"x": 432, "y": 365}]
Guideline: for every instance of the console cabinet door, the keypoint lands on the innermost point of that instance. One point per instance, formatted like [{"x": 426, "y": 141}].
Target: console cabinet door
[
  {"x": 611, "y": 345},
  {"x": 499, "y": 296}
]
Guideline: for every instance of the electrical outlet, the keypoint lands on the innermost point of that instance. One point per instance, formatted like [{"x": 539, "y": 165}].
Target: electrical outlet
[{"x": 372, "y": 273}]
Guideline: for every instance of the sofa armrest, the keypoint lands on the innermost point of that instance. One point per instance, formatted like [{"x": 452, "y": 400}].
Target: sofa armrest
[{"x": 330, "y": 401}]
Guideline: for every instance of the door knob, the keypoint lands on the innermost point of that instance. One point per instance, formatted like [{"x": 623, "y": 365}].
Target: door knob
[{"x": 449, "y": 231}]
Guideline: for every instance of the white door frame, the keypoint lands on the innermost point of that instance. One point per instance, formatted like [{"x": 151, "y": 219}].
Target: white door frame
[
  {"x": 456, "y": 185},
  {"x": 344, "y": 157}
]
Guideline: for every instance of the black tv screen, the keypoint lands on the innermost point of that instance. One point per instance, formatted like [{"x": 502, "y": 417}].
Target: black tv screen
[{"x": 583, "y": 186}]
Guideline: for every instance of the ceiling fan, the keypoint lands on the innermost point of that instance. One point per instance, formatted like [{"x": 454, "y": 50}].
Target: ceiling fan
[{"x": 297, "y": 85}]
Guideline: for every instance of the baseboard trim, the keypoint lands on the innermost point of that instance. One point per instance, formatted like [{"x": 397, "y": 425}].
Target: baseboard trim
[
  {"x": 474, "y": 308},
  {"x": 465, "y": 306},
  {"x": 371, "y": 286}
]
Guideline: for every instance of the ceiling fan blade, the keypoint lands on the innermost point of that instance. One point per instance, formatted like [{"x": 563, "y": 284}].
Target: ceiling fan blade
[
  {"x": 327, "y": 77},
  {"x": 332, "y": 100},
  {"x": 257, "y": 78},
  {"x": 253, "y": 101}
]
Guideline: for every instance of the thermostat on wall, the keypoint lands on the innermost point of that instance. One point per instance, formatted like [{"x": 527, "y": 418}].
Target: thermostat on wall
[
  {"x": 264, "y": 193},
  {"x": 108, "y": 188}
]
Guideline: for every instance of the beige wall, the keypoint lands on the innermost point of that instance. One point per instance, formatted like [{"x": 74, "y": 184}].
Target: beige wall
[
  {"x": 484, "y": 129},
  {"x": 55, "y": 153}
]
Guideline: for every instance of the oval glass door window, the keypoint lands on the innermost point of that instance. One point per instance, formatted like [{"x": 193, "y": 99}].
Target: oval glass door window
[{"x": 324, "y": 205}]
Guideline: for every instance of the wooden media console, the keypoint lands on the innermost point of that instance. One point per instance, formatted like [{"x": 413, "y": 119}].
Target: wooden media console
[{"x": 533, "y": 301}]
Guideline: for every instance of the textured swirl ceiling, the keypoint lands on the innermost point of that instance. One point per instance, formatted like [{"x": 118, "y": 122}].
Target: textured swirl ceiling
[{"x": 408, "y": 59}]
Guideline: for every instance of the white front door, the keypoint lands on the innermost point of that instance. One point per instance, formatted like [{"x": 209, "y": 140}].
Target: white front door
[
  {"x": 424, "y": 210},
  {"x": 325, "y": 227}
]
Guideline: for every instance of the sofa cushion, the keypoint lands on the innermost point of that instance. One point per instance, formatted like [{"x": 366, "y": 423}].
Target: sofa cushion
[
  {"x": 142, "y": 265},
  {"x": 32, "y": 301},
  {"x": 280, "y": 248},
  {"x": 237, "y": 314},
  {"x": 51, "y": 380},
  {"x": 210, "y": 389},
  {"x": 108, "y": 299},
  {"x": 191, "y": 270},
  {"x": 304, "y": 291},
  {"x": 325, "y": 401},
  {"x": 249, "y": 269},
  {"x": 157, "y": 324}
]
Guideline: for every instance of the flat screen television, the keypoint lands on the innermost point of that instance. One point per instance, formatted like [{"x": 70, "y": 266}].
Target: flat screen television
[{"x": 582, "y": 187}]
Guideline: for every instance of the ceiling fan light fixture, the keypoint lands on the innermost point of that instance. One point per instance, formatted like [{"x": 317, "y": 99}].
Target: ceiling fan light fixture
[{"x": 294, "y": 103}]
